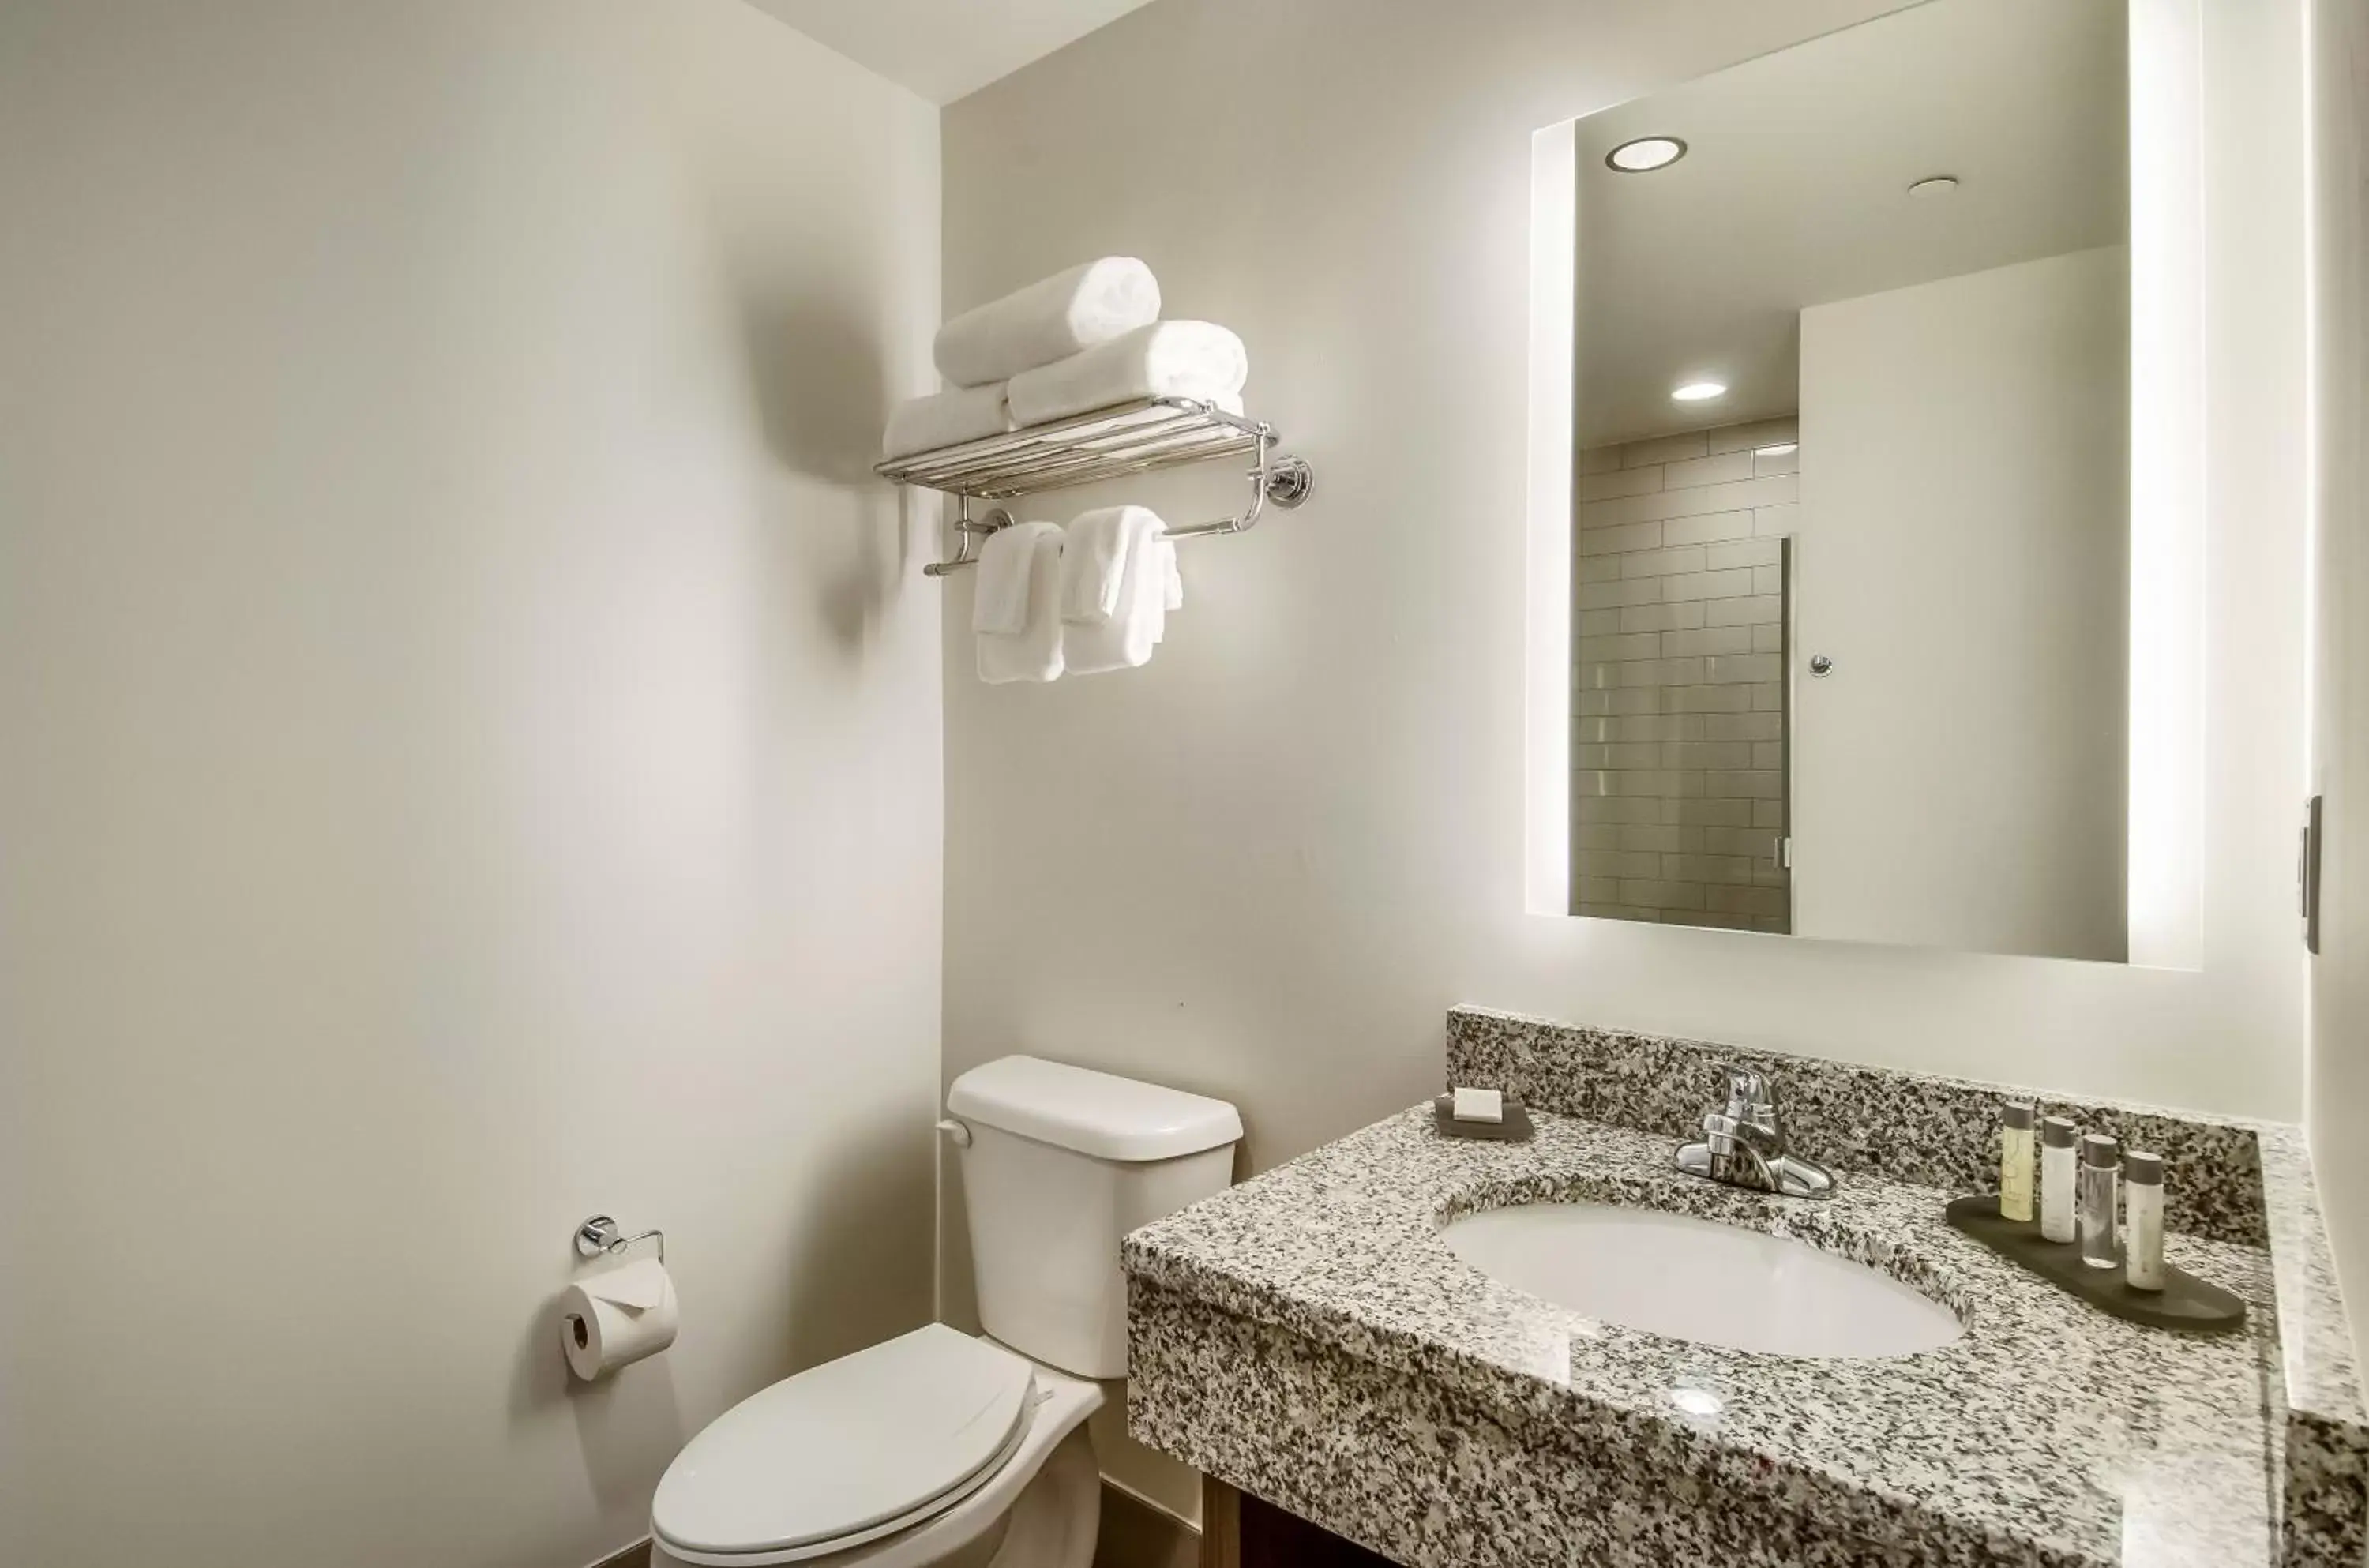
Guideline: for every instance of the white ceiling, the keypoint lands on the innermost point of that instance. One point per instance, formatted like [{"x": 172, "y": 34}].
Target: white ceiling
[
  {"x": 1793, "y": 192},
  {"x": 943, "y": 49}
]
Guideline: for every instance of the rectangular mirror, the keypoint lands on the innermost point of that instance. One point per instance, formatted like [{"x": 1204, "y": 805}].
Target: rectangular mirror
[{"x": 1851, "y": 537}]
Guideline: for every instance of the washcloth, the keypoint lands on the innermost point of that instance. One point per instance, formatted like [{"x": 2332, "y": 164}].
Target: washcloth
[
  {"x": 1125, "y": 641},
  {"x": 1049, "y": 320},
  {"x": 946, "y": 419},
  {"x": 1167, "y": 358},
  {"x": 1032, "y": 552}
]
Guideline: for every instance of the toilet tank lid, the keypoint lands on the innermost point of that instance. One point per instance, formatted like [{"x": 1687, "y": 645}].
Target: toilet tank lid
[{"x": 1092, "y": 1113}]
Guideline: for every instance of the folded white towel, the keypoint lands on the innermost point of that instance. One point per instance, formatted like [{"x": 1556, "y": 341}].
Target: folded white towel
[
  {"x": 1049, "y": 320},
  {"x": 1167, "y": 358},
  {"x": 1035, "y": 652},
  {"x": 1125, "y": 641},
  {"x": 946, "y": 419}
]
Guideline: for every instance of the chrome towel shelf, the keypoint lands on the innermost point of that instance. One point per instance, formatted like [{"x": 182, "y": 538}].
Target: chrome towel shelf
[{"x": 1132, "y": 438}]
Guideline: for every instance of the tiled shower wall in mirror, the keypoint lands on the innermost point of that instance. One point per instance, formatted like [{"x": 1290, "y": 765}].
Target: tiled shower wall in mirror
[{"x": 1678, "y": 750}]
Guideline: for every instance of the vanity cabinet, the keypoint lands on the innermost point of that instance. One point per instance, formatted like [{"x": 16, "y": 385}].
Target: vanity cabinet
[{"x": 1239, "y": 1530}]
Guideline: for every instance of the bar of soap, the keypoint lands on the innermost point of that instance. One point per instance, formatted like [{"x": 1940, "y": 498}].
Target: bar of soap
[
  {"x": 1514, "y": 1128},
  {"x": 1478, "y": 1105}
]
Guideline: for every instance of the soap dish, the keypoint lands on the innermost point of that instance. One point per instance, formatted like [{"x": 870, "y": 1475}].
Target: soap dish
[{"x": 1514, "y": 1128}]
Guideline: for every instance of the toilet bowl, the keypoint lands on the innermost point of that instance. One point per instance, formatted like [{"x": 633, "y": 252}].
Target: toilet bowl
[
  {"x": 938, "y": 1449},
  {"x": 932, "y": 1450}
]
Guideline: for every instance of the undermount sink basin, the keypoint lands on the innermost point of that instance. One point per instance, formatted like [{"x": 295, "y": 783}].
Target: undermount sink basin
[{"x": 1692, "y": 1279}]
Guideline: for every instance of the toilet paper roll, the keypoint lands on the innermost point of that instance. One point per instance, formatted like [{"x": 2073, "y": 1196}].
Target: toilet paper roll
[{"x": 615, "y": 1319}]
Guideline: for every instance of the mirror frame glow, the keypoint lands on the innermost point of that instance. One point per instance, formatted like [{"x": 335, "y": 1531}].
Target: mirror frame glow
[{"x": 2167, "y": 528}]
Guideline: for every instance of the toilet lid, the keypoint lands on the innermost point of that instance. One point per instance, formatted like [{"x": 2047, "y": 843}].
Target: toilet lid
[{"x": 860, "y": 1446}]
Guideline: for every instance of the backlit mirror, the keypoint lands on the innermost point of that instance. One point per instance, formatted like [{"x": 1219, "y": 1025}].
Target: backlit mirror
[{"x": 1850, "y": 557}]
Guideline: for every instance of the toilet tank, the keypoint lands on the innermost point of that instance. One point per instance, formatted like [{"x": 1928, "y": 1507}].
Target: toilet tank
[{"x": 1060, "y": 1163}]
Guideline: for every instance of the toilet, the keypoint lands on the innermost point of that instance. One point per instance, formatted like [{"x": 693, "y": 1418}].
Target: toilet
[{"x": 936, "y": 1449}]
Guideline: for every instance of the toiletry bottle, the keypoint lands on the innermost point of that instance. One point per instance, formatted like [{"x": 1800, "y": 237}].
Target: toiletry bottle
[
  {"x": 2100, "y": 1178},
  {"x": 2015, "y": 1162},
  {"x": 2143, "y": 1211},
  {"x": 2057, "y": 1160}
]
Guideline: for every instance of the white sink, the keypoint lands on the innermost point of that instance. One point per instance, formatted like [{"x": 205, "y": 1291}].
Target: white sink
[{"x": 1691, "y": 1279}]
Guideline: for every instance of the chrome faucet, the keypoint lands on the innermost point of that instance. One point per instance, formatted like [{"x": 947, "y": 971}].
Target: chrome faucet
[{"x": 1745, "y": 1145}]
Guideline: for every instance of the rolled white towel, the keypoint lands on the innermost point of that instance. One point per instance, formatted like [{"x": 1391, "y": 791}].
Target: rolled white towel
[
  {"x": 1027, "y": 555},
  {"x": 1167, "y": 358},
  {"x": 1049, "y": 320},
  {"x": 946, "y": 419}
]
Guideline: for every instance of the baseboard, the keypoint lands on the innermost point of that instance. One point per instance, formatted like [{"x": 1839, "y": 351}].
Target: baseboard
[
  {"x": 1135, "y": 1533},
  {"x": 1140, "y": 1533},
  {"x": 634, "y": 1556}
]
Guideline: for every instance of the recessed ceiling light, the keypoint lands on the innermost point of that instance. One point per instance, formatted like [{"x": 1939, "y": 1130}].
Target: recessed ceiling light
[
  {"x": 1699, "y": 391},
  {"x": 1645, "y": 155},
  {"x": 1935, "y": 185},
  {"x": 1776, "y": 449}
]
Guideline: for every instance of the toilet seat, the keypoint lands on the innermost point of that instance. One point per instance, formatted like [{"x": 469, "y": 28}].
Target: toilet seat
[{"x": 848, "y": 1452}]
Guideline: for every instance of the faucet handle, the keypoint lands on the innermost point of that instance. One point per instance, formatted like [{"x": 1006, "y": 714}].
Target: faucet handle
[{"x": 1750, "y": 1095}]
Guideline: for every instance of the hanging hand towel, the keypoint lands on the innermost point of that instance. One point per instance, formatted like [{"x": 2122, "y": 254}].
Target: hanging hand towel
[
  {"x": 1030, "y": 555},
  {"x": 999, "y": 603},
  {"x": 1093, "y": 562},
  {"x": 1125, "y": 641},
  {"x": 1048, "y": 320},
  {"x": 1167, "y": 358},
  {"x": 946, "y": 419}
]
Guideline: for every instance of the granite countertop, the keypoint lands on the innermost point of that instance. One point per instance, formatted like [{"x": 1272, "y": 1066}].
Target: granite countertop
[{"x": 2049, "y": 1433}]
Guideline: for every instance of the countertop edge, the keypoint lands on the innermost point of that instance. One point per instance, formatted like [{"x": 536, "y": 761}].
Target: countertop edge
[
  {"x": 1877, "y": 1515},
  {"x": 2323, "y": 1378}
]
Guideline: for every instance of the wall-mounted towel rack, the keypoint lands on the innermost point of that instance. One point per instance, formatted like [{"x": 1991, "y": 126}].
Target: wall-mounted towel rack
[{"x": 1133, "y": 437}]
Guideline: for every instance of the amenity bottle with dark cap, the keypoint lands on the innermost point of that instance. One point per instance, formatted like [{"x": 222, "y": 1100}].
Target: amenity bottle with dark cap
[
  {"x": 2059, "y": 1159},
  {"x": 2143, "y": 1215},
  {"x": 2102, "y": 1169},
  {"x": 2015, "y": 1162}
]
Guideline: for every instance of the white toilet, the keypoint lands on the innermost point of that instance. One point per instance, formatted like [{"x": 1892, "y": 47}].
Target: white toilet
[{"x": 935, "y": 1447}]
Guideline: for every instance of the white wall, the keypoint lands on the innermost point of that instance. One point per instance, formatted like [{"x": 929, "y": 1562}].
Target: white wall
[
  {"x": 472, "y": 757},
  {"x": 2339, "y": 1016},
  {"x": 1262, "y": 867},
  {"x": 1963, "y": 556}
]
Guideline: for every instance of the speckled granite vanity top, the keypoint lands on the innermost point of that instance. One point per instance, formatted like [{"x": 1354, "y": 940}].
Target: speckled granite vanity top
[
  {"x": 2047, "y": 1424},
  {"x": 2049, "y": 1433}
]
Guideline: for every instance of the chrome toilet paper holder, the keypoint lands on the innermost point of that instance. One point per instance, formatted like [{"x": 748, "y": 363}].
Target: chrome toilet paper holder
[{"x": 603, "y": 1236}]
